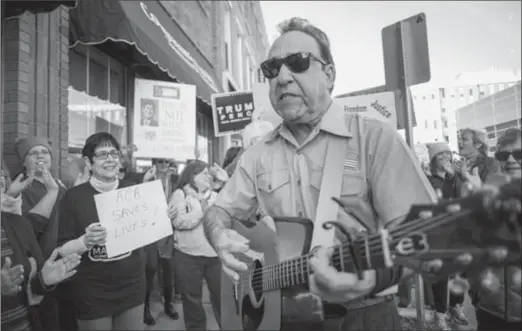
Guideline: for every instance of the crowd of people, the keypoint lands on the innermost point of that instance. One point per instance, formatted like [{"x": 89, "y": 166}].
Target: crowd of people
[
  {"x": 56, "y": 274},
  {"x": 451, "y": 175}
]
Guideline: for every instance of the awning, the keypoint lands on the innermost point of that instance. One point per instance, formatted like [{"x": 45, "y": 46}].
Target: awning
[
  {"x": 11, "y": 8},
  {"x": 147, "y": 26}
]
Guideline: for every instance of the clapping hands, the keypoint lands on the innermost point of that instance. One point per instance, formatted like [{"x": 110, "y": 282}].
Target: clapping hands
[
  {"x": 55, "y": 271},
  {"x": 150, "y": 174},
  {"x": 12, "y": 277},
  {"x": 20, "y": 184}
]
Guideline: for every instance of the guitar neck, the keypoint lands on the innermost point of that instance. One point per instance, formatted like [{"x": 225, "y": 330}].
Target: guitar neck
[{"x": 364, "y": 253}]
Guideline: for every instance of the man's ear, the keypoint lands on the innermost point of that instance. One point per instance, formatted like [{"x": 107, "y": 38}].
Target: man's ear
[{"x": 329, "y": 70}]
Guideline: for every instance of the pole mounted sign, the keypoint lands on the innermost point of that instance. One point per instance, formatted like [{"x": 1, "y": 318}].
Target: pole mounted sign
[
  {"x": 407, "y": 63},
  {"x": 406, "y": 54}
]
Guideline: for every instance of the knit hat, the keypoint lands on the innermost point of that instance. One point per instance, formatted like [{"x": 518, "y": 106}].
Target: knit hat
[
  {"x": 24, "y": 145},
  {"x": 435, "y": 149}
]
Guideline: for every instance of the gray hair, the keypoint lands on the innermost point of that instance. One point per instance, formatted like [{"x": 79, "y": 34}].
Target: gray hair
[
  {"x": 303, "y": 25},
  {"x": 479, "y": 137}
]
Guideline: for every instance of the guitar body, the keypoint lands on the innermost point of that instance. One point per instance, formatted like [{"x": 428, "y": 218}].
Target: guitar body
[{"x": 245, "y": 307}]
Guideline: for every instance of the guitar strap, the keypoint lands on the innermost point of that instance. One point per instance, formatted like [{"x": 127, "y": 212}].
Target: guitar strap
[{"x": 331, "y": 183}]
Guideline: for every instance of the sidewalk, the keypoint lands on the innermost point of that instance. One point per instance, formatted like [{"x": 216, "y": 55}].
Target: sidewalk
[
  {"x": 165, "y": 323},
  {"x": 409, "y": 316}
]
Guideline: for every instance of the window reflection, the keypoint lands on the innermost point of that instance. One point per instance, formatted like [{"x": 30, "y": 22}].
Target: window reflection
[{"x": 96, "y": 96}]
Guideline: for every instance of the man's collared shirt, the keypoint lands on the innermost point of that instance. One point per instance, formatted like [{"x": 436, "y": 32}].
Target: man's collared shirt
[{"x": 284, "y": 178}]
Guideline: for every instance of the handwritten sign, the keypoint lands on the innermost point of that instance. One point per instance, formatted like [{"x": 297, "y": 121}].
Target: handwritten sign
[{"x": 134, "y": 217}]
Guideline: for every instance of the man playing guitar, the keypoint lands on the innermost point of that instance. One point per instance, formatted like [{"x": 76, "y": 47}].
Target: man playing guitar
[{"x": 283, "y": 175}]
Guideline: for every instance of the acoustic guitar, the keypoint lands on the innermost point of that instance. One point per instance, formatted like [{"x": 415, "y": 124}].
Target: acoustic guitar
[{"x": 273, "y": 293}]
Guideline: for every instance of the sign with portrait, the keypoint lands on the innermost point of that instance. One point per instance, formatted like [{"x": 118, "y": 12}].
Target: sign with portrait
[
  {"x": 231, "y": 111},
  {"x": 380, "y": 106},
  {"x": 164, "y": 119},
  {"x": 134, "y": 217}
]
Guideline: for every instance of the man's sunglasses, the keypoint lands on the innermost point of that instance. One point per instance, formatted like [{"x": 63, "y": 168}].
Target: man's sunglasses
[
  {"x": 504, "y": 155},
  {"x": 296, "y": 63}
]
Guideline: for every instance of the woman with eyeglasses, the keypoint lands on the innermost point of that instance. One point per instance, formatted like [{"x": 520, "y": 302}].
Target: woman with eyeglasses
[
  {"x": 108, "y": 293},
  {"x": 26, "y": 276},
  {"x": 502, "y": 309}
]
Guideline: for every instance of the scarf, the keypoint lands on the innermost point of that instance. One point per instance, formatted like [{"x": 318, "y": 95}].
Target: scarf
[
  {"x": 12, "y": 205},
  {"x": 103, "y": 187}
]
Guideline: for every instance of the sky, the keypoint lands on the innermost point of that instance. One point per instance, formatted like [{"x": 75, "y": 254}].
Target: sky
[{"x": 463, "y": 36}]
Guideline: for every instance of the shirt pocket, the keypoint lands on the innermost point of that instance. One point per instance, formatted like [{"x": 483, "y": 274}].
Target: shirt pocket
[
  {"x": 354, "y": 185},
  {"x": 274, "y": 190}
]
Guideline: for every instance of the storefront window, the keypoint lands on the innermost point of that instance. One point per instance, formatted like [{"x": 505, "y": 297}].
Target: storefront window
[{"x": 97, "y": 93}]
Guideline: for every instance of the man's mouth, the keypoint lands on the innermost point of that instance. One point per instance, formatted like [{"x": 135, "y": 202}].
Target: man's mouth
[{"x": 287, "y": 96}]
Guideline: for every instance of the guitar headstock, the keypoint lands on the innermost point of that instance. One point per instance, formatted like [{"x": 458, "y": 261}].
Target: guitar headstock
[{"x": 491, "y": 217}]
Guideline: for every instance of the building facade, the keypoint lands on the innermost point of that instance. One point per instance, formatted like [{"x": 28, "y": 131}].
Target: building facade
[
  {"x": 436, "y": 107},
  {"x": 493, "y": 114},
  {"x": 69, "y": 71}
]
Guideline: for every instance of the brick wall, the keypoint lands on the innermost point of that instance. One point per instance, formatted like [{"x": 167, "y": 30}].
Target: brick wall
[
  {"x": 36, "y": 63},
  {"x": 194, "y": 18}
]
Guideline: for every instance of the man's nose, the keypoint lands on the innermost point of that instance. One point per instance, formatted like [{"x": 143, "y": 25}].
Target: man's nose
[
  {"x": 285, "y": 76},
  {"x": 511, "y": 159}
]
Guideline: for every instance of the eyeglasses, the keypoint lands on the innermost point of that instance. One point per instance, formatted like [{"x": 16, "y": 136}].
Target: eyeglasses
[
  {"x": 296, "y": 63},
  {"x": 504, "y": 155},
  {"x": 162, "y": 161},
  {"x": 105, "y": 155}
]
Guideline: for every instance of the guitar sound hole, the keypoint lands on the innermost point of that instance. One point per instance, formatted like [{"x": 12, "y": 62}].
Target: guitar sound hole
[{"x": 257, "y": 280}]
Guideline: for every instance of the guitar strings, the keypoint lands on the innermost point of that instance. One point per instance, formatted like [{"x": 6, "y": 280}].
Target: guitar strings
[
  {"x": 299, "y": 263},
  {"x": 281, "y": 271}
]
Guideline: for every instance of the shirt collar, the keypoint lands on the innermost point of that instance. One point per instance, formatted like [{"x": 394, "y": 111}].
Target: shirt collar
[{"x": 333, "y": 122}]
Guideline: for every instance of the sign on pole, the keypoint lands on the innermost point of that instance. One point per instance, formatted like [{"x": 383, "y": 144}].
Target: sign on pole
[
  {"x": 407, "y": 63},
  {"x": 164, "y": 120},
  {"x": 405, "y": 49},
  {"x": 231, "y": 112},
  {"x": 380, "y": 106}
]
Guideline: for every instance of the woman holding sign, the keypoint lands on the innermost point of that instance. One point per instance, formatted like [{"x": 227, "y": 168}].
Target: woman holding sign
[{"x": 108, "y": 292}]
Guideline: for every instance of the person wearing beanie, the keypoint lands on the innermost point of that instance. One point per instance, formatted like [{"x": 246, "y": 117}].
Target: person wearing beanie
[
  {"x": 35, "y": 154},
  {"x": 445, "y": 179}
]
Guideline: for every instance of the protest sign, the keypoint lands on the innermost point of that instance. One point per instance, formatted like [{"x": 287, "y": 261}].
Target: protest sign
[
  {"x": 164, "y": 119},
  {"x": 231, "y": 111},
  {"x": 134, "y": 217},
  {"x": 380, "y": 106}
]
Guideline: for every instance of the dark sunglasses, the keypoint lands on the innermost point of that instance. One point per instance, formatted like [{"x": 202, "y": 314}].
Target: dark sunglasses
[
  {"x": 504, "y": 155},
  {"x": 296, "y": 63},
  {"x": 162, "y": 161}
]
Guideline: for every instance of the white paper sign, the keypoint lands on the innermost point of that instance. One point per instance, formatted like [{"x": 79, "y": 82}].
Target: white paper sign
[
  {"x": 380, "y": 106},
  {"x": 164, "y": 119},
  {"x": 134, "y": 217}
]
